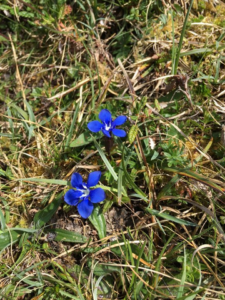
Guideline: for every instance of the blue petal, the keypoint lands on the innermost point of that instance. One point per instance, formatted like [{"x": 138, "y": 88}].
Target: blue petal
[
  {"x": 119, "y": 132},
  {"x": 106, "y": 132},
  {"x": 119, "y": 121},
  {"x": 77, "y": 181},
  {"x": 94, "y": 126},
  {"x": 105, "y": 116},
  {"x": 97, "y": 195},
  {"x": 93, "y": 178},
  {"x": 85, "y": 208},
  {"x": 71, "y": 197}
]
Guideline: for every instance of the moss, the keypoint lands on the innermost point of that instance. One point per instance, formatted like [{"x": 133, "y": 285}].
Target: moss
[{"x": 201, "y": 5}]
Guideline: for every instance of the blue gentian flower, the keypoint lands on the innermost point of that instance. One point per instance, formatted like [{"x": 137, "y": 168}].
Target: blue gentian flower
[
  {"x": 83, "y": 196},
  {"x": 108, "y": 125}
]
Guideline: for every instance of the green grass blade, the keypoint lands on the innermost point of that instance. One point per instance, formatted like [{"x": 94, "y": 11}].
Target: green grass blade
[
  {"x": 104, "y": 158},
  {"x": 168, "y": 217},
  {"x": 30, "y": 112},
  {"x": 200, "y": 156},
  {"x": 32, "y": 119},
  {"x": 29, "y": 230},
  {"x": 181, "y": 39},
  {"x": 129, "y": 179},
  {"x": 174, "y": 50},
  {"x": 159, "y": 262},
  {"x": 96, "y": 287},
  {"x": 183, "y": 278},
  {"x": 208, "y": 181},
  {"x": 192, "y": 295},
  {"x": 137, "y": 266},
  {"x": 72, "y": 126},
  {"x": 196, "y": 51},
  {"x": 68, "y": 295},
  {"x": 48, "y": 181},
  {"x": 120, "y": 184},
  {"x": 9, "y": 113},
  {"x": 2, "y": 220}
]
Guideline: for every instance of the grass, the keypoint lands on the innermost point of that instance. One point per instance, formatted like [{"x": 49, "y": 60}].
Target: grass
[{"x": 159, "y": 234}]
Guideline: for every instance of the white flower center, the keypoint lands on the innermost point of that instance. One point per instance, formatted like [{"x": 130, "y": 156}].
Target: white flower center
[
  {"x": 85, "y": 192},
  {"x": 108, "y": 127}
]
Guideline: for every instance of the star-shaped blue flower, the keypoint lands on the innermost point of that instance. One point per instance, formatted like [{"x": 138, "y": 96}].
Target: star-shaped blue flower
[
  {"x": 83, "y": 196},
  {"x": 108, "y": 125}
]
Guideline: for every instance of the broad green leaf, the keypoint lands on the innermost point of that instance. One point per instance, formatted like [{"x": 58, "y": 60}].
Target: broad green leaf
[
  {"x": 82, "y": 140},
  {"x": 19, "y": 110},
  {"x": 155, "y": 155},
  {"x": 63, "y": 235},
  {"x": 169, "y": 217},
  {"x": 45, "y": 215},
  {"x": 132, "y": 133},
  {"x": 44, "y": 180},
  {"x": 7, "y": 238},
  {"x": 11, "y": 235},
  {"x": 98, "y": 221}
]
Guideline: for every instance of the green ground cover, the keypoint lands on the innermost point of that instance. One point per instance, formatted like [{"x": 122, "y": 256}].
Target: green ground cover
[{"x": 158, "y": 232}]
